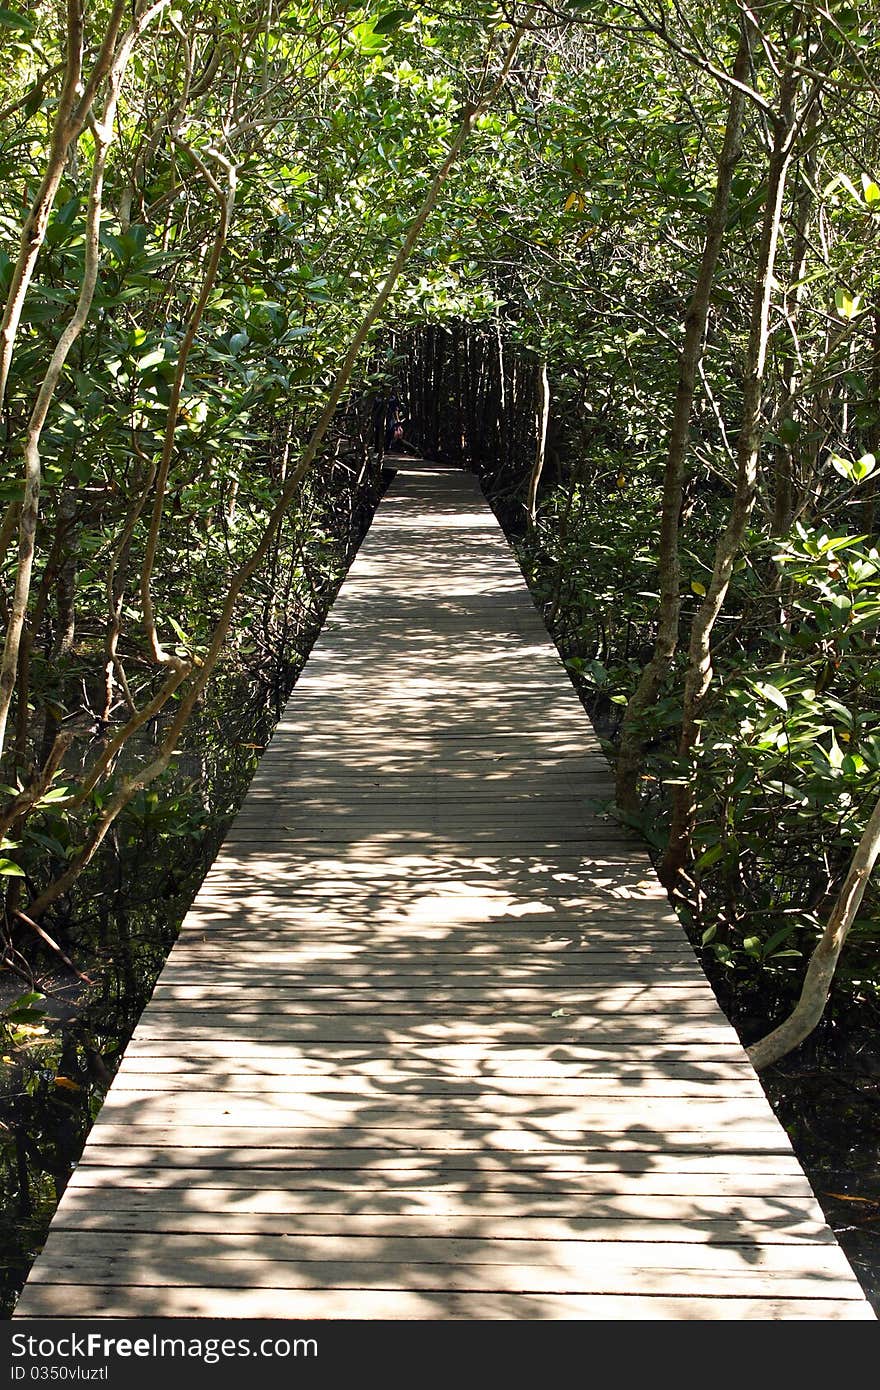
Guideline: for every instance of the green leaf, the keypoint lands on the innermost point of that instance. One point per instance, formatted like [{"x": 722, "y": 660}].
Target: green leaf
[
  {"x": 13, "y": 19},
  {"x": 48, "y": 842},
  {"x": 771, "y": 693},
  {"x": 19, "y": 1016},
  {"x": 836, "y": 754},
  {"x": 778, "y": 937},
  {"x": 843, "y": 181},
  {"x": 27, "y": 1001},
  {"x": 13, "y": 870},
  {"x": 843, "y": 467},
  {"x": 56, "y": 794},
  {"x": 742, "y": 780},
  {"x": 709, "y": 857},
  {"x": 871, "y": 191},
  {"x": 847, "y": 305},
  {"x": 151, "y": 359},
  {"x": 789, "y": 431},
  {"x": 182, "y": 636},
  {"x": 391, "y": 21},
  {"x": 828, "y": 543},
  {"x": 864, "y": 467}
]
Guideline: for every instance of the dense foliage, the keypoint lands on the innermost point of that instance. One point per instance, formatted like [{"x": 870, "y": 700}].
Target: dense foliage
[{"x": 621, "y": 258}]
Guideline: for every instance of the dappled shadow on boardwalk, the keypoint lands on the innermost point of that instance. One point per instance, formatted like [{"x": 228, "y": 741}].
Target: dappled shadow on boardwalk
[{"x": 431, "y": 1043}]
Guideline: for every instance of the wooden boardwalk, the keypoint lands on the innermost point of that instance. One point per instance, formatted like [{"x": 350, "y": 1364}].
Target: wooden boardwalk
[{"x": 431, "y": 1043}]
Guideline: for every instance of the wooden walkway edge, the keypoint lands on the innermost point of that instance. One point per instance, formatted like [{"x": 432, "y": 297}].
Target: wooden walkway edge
[{"x": 431, "y": 1043}]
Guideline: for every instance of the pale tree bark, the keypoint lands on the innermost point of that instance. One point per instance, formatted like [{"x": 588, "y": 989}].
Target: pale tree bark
[
  {"x": 631, "y": 750},
  {"x": 131, "y": 785},
  {"x": 698, "y": 678},
  {"x": 787, "y": 473},
  {"x": 823, "y": 962},
  {"x": 542, "y": 420},
  {"x": 103, "y": 135}
]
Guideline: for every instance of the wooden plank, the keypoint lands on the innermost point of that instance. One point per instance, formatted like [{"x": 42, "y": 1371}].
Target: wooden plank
[
  {"x": 488, "y": 1059},
  {"x": 314, "y": 1027},
  {"x": 579, "y": 992},
  {"x": 597, "y": 1268},
  {"x": 287, "y": 947},
  {"x": 461, "y": 972},
  {"x": 635, "y": 1152},
  {"x": 773, "y": 1230},
  {"x": 674, "y": 1266},
  {"x": 522, "y": 1085},
  {"x": 517, "y": 1001},
  {"x": 364, "y": 1107},
  {"x": 621, "y": 919},
  {"x": 414, "y": 1208},
  {"x": 106, "y": 1169},
  {"x": 754, "y": 1222},
  {"x": 306, "y": 1071},
  {"x": 296, "y": 938},
  {"x": 558, "y": 1149},
  {"x": 67, "y": 1301}
]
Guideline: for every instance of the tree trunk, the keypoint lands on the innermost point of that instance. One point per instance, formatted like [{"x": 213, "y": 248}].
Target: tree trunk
[
  {"x": 786, "y": 470},
  {"x": 542, "y": 419},
  {"x": 698, "y": 678},
  {"x": 823, "y": 962},
  {"x": 629, "y": 757}
]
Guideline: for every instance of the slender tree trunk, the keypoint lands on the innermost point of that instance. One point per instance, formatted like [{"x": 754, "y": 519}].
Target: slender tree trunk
[
  {"x": 823, "y": 962},
  {"x": 786, "y": 471},
  {"x": 630, "y": 752},
  {"x": 502, "y": 395},
  {"x": 542, "y": 419},
  {"x": 698, "y": 678}
]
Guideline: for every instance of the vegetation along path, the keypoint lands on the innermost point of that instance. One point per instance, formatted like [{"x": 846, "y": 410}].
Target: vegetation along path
[{"x": 431, "y": 1042}]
